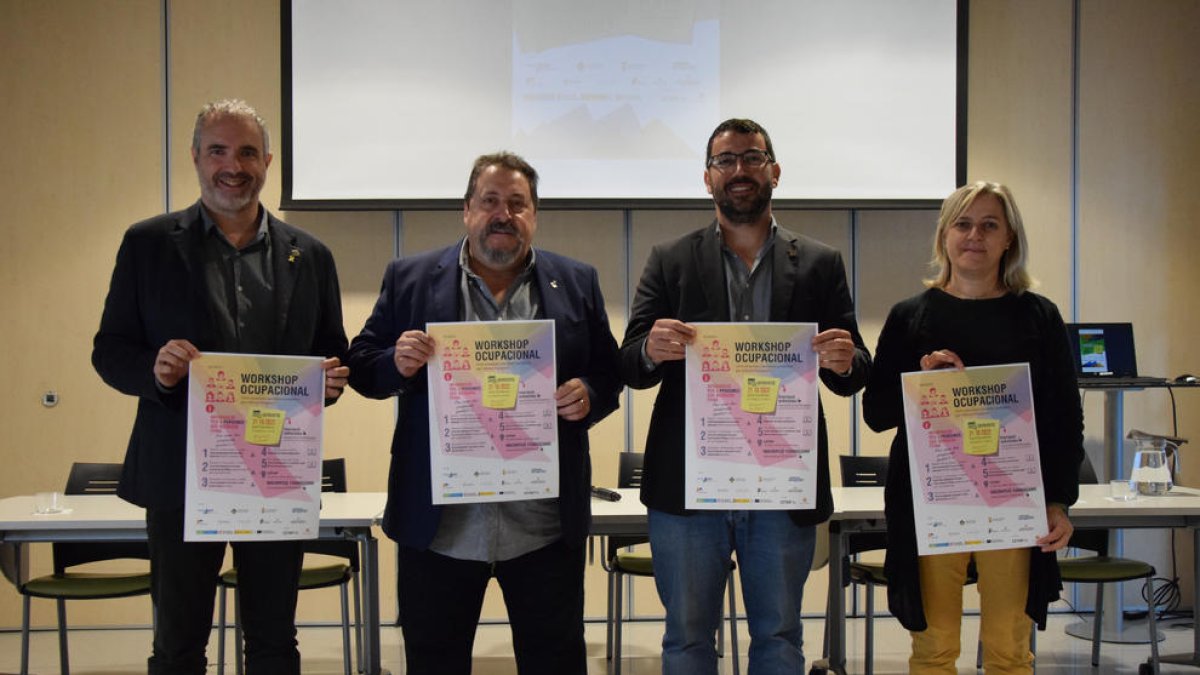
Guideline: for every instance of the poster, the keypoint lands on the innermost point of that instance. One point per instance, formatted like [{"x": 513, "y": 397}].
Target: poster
[
  {"x": 255, "y": 429},
  {"x": 973, "y": 459},
  {"x": 751, "y": 417},
  {"x": 493, "y": 422}
]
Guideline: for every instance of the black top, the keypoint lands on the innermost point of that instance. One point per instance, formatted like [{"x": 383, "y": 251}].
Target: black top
[{"x": 1009, "y": 329}]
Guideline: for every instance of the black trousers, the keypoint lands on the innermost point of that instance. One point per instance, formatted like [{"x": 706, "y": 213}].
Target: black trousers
[
  {"x": 441, "y": 597},
  {"x": 183, "y": 586}
]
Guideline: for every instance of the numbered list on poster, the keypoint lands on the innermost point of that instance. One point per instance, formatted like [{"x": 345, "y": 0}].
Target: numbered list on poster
[
  {"x": 973, "y": 459},
  {"x": 493, "y": 421},
  {"x": 751, "y": 417},
  {"x": 255, "y": 429}
]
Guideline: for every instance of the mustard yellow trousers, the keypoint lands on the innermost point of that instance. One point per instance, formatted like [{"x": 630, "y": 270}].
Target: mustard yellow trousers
[{"x": 1004, "y": 626}]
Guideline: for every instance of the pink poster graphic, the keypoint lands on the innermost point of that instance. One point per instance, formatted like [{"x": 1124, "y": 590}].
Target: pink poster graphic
[
  {"x": 493, "y": 423},
  {"x": 255, "y": 432},
  {"x": 973, "y": 458},
  {"x": 751, "y": 416}
]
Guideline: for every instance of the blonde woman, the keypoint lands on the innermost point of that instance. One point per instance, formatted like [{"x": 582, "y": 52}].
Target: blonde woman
[{"x": 978, "y": 310}]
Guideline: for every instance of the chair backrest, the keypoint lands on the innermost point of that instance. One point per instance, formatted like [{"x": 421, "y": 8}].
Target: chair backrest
[
  {"x": 862, "y": 471},
  {"x": 1090, "y": 539},
  {"x": 14, "y": 563},
  {"x": 333, "y": 479},
  {"x": 89, "y": 478},
  {"x": 859, "y": 471},
  {"x": 629, "y": 473},
  {"x": 1087, "y": 472},
  {"x": 333, "y": 475}
]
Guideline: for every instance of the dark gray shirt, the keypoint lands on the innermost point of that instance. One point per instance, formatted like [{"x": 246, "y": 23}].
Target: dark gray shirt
[
  {"x": 749, "y": 287},
  {"x": 240, "y": 288},
  {"x": 497, "y": 531}
]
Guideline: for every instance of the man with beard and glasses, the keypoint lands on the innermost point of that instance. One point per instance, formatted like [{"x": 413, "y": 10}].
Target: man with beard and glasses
[
  {"x": 533, "y": 548},
  {"x": 743, "y": 267},
  {"x": 223, "y": 275}
]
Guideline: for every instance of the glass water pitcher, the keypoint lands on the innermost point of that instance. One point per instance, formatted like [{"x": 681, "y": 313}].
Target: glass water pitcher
[{"x": 1151, "y": 474}]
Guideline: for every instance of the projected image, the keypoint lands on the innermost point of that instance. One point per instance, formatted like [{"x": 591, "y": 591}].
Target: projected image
[
  {"x": 616, "y": 97},
  {"x": 621, "y": 96},
  {"x": 1093, "y": 355}
]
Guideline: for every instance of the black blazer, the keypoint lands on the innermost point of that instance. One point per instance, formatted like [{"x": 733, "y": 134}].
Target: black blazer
[
  {"x": 158, "y": 293},
  {"x": 685, "y": 280},
  {"x": 425, "y": 288}
]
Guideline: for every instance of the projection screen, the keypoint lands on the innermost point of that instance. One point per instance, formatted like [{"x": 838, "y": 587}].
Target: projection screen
[{"x": 387, "y": 102}]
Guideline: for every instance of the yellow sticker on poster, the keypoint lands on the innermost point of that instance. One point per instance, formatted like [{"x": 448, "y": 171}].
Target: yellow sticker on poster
[
  {"x": 981, "y": 436},
  {"x": 759, "y": 394},
  {"x": 264, "y": 426},
  {"x": 500, "y": 391}
]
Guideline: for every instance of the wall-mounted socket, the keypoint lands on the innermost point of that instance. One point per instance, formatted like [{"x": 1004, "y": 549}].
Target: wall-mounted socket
[{"x": 50, "y": 399}]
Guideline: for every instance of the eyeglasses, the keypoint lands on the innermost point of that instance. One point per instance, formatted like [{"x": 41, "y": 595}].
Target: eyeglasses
[{"x": 751, "y": 159}]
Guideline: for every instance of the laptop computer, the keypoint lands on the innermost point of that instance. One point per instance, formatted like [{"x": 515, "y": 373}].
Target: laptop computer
[{"x": 1105, "y": 356}]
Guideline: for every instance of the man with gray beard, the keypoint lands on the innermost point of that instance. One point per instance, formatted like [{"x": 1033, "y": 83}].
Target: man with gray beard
[{"x": 533, "y": 548}]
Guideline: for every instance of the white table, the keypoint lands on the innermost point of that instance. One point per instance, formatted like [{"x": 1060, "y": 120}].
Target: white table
[
  {"x": 1114, "y": 629},
  {"x": 627, "y": 516},
  {"x": 861, "y": 510},
  {"x": 109, "y": 518}
]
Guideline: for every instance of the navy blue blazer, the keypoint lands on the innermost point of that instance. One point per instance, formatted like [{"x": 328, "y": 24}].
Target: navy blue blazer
[
  {"x": 425, "y": 288},
  {"x": 158, "y": 293},
  {"x": 685, "y": 280}
]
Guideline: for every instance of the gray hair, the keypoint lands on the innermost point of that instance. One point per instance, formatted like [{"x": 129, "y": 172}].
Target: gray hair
[{"x": 229, "y": 107}]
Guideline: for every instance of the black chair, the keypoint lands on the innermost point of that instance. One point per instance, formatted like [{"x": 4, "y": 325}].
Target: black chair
[
  {"x": 863, "y": 471},
  {"x": 619, "y": 562},
  {"x": 1102, "y": 569},
  {"x": 342, "y": 574},
  {"x": 63, "y": 585}
]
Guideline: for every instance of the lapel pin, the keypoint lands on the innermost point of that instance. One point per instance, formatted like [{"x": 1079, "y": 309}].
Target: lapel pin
[
  {"x": 293, "y": 255},
  {"x": 553, "y": 283}
]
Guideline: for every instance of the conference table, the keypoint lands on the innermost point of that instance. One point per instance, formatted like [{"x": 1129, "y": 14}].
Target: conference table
[
  {"x": 351, "y": 515},
  {"x": 624, "y": 517},
  {"x": 860, "y": 509},
  {"x": 108, "y": 518},
  {"x": 344, "y": 515}
]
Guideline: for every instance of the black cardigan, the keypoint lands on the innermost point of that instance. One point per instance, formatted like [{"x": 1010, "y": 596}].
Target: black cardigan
[{"x": 1009, "y": 329}]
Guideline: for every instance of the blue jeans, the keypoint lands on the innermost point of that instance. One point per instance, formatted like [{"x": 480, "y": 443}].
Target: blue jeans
[{"x": 691, "y": 563}]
